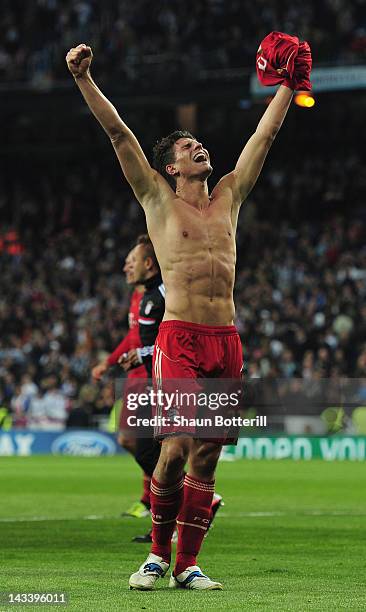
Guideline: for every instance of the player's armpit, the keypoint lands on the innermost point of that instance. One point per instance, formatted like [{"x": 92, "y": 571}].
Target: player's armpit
[{"x": 227, "y": 188}]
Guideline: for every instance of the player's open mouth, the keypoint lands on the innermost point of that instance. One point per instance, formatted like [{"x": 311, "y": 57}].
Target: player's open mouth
[{"x": 200, "y": 157}]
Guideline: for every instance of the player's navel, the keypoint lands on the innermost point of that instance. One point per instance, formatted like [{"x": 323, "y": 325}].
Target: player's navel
[{"x": 185, "y": 234}]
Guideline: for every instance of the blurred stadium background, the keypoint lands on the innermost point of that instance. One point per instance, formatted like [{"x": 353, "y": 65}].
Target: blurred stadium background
[{"x": 68, "y": 218}]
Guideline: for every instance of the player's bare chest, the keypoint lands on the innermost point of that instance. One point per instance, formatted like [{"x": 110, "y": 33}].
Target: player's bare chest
[{"x": 210, "y": 225}]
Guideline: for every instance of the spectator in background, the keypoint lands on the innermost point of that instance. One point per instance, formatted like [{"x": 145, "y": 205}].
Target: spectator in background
[
  {"x": 136, "y": 41},
  {"x": 48, "y": 411}
]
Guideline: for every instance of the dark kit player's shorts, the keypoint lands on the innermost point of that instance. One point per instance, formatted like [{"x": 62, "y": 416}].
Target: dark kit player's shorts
[
  {"x": 194, "y": 358},
  {"x": 134, "y": 384}
]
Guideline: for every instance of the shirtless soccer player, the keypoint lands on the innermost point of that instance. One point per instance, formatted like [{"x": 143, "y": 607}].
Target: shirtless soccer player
[{"x": 193, "y": 234}]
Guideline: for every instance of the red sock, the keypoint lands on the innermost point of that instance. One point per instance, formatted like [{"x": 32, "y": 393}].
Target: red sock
[
  {"x": 165, "y": 503},
  {"x": 193, "y": 520},
  {"x": 145, "y": 499}
]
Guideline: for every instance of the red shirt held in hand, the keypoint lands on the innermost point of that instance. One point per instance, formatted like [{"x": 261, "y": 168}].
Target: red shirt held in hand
[{"x": 282, "y": 58}]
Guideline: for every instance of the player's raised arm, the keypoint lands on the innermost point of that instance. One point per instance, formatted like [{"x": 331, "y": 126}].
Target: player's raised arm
[
  {"x": 281, "y": 58},
  {"x": 251, "y": 160},
  {"x": 137, "y": 170}
]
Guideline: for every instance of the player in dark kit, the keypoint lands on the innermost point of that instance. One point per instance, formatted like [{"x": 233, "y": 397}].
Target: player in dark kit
[
  {"x": 131, "y": 341},
  {"x": 151, "y": 312},
  {"x": 193, "y": 233},
  {"x": 151, "y": 306}
]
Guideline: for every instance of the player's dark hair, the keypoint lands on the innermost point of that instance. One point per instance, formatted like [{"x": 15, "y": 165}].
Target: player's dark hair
[
  {"x": 164, "y": 153},
  {"x": 144, "y": 239}
]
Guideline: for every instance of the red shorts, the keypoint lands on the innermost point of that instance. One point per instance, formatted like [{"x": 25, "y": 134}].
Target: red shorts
[{"x": 192, "y": 351}]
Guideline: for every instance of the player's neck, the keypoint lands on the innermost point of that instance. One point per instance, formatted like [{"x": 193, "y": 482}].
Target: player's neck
[{"x": 194, "y": 192}]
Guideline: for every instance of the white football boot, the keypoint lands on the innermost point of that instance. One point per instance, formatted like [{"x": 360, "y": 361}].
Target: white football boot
[
  {"x": 193, "y": 578},
  {"x": 150, "y": 571}
]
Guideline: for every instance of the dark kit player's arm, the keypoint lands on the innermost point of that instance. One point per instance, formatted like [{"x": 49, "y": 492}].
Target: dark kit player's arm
[{"x": 143, "y": 179}]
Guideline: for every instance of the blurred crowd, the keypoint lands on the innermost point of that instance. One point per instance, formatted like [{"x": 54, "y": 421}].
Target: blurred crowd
[
  {"x": 142, "y": 41},
  {"x": 300, "y": 290},
  {"x": 301, "y": 307}
]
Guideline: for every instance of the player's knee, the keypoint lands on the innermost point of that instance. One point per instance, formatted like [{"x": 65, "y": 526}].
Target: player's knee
[
  {"x": 205, "y": 458},
  {"x": 173, "y": 457}
]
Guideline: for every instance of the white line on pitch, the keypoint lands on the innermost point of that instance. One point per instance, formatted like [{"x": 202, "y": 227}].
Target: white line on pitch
[
  {"x": 96, "y": 517},
  {"x": 294, "y": 513},
  {"x": 38, "y": 519}
]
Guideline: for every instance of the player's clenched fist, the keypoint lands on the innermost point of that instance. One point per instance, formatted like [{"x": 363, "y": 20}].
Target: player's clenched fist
[{"x": 79, "y": 59}]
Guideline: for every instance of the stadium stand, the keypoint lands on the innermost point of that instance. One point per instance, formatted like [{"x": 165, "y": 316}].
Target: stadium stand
[
  {"x": 301, "y": 273},
  {"x": 136, "y": 42}
]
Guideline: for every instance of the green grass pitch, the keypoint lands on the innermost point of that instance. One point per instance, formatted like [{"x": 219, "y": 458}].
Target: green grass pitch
[{"x": 291, "y": 536}]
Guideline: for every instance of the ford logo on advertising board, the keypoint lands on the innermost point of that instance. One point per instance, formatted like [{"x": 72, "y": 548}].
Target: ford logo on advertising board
[{"x": 88, "y": 444}]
